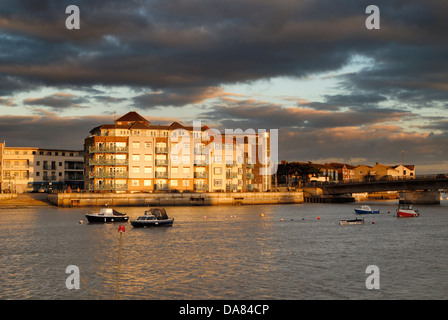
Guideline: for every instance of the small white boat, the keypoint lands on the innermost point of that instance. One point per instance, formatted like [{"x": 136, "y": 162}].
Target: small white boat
[
  {"x": 153, "y": 218},
  {"x": 107, "y": 215},
  {"x": 351, "y": 222},
  {"x": 365, "y": 209}
]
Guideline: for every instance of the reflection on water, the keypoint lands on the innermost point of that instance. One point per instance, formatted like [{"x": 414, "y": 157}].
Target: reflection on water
[{"x": 242, "y": 252}]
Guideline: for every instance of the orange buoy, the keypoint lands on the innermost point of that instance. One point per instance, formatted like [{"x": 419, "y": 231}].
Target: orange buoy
[
  {"x": 262, "y": 215},
  {"x": 281, "y": 219},
  {"x": 318, "y": 218}
]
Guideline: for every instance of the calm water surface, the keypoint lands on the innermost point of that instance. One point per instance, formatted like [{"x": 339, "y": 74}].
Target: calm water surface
[{"x": 227, "y": 253}]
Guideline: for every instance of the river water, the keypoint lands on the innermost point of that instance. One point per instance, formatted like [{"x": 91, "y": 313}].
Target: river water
[{"x": 227, "y": 252}]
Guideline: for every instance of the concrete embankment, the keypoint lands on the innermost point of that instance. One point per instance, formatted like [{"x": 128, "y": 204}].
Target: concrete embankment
[
  {"x": 24, "y": 200},
  {"x": 173, "y": 199}
]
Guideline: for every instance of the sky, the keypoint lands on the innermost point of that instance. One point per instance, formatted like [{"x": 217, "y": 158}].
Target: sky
[{"x": 335, "y": 90}]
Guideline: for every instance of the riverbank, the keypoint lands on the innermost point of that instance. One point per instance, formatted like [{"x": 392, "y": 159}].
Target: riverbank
[
  {"x": 174, "y": 199},
  {"x": 24, "y": 200}
]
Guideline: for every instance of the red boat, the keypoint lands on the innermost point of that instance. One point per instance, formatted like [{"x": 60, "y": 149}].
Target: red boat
[{"x": 406, "y": 211}]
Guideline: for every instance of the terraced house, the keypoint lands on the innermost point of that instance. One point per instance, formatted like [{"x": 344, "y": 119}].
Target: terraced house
[{"x": 132, "y": 155}]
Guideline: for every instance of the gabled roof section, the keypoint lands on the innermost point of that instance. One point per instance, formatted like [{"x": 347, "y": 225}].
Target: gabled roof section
[{"x": 132, "y": 116}]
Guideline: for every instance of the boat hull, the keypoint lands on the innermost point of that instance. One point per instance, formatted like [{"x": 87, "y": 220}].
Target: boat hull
[
  {"x": 351, "y": 222},
  {"x": 360, "y": 211},
  {"x": 105, "y": 219},
  {"x": 407, "y": 214},
  {"x": 152, "y": 223}
]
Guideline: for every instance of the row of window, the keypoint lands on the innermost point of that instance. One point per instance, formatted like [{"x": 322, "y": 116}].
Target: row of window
[
  {"x": 46, "y": 153},
  {"x": 185, "y": 183}
]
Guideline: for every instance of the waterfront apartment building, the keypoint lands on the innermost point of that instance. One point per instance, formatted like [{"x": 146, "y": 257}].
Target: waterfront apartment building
[
  {"x": 32, "y": 169},
  {"x": 132, "y": 155}
]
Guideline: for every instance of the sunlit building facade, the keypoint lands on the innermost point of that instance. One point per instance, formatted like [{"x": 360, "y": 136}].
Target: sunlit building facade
[
  {"x": 132, "y": 155},
  {"x": 36, "y": 169}
]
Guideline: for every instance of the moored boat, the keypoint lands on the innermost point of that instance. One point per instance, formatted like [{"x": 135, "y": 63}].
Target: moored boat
[
  {"x": 107, "y": 215},
  {"x": 351, "y": 222},
  {"x": 365, "y": 209},
  {"x": 406, "y": 211},
  {"x": 155, "y": 217}
]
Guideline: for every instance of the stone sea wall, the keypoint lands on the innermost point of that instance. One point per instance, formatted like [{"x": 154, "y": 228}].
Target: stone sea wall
[{"x": 173, "y": 199}]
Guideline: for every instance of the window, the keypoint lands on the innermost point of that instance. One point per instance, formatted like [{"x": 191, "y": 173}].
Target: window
[
  {"x": 135, "y": 183},
  {"x": 218, "y": 170},
  {"x": 136, "y": 157},
  {"x": 186, "y": 170},
  {"x": 217, "y": 182},
  {"x": 60, "y": 174},
  {"x": 175, "y": 170},
  {"x": 135, "y": 169},
  {"x": 136, "y": 145},
  {"x": 148, "y": 157},
  {"x": 37, "y": 163},
  {"x": 147, "y": 183},
  {"x": 174, "y": 183},
  {"x": 148, "y": 145},
  {"x": 148, "y": 169},
  {"x": 60, "y": 164},
  {"x": 186, "y": 183},
  {"x": 37, "y": 174}
]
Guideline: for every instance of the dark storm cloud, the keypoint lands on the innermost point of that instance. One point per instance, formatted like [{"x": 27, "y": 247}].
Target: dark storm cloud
[
  {"x": 199, "y": 44},
  {"x": 252, "y": 113},
  {"x": 57, "y": 101}
]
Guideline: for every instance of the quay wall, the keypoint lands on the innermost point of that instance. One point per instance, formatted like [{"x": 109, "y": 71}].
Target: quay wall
[
  {"x": 173, "y": 199},
  {"x": 7, "y": 196}
]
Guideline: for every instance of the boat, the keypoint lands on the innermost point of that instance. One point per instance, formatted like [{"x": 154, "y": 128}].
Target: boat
[
  {"x": 406, "y": 211},
  {"x": 154, "y": 217},
  {"x": 365, "y": 209},
  {"x": 351, "y": 222},
  {"x": 107, "y": 215}
]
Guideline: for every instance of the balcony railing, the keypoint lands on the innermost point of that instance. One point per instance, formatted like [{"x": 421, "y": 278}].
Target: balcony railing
[
  {"x": 231, "y": 187},
  {"x": 250, "y": 187},
  {"x": 161, "y": 150},
  {"x": 201, "y": 187},
  {"x": 108, "y": 175},
  {"x": 161, "y": 162},
  {"x": 201, "y": 175},
  {"x": 108, "y": 187},
  {"x": 163, "y": 175},
  {"x": 250, "y": 165},
  {"x": 161, "y": 186},
  {"x": 200, "y": 163},
  {"x": 108, "y": 162},
  {"x": 250, "y": 176},
  {"x": 231, "y": 164},
  {"x": 108, "y": 149},
  {"x": 231, "y": 175}
]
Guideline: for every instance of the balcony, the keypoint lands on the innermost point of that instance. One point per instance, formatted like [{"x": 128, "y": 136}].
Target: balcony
[
  {"x": 201, "y": 175},
  {"x": 200, "y": 187},
  {"x": 107, "y": 149},
  {"x": 108, "y": 162},
  {"x": 200, "y": 163},
  {"x": 161, "y": 150},
  {"x": 160, "y": 174},
  {"x": 108, "y": 175},
  {"x": 250, "y": 165},
  {"x": 161, "y": 162},
  {"x": 108, "y": 187},
  {"x": 231, "y": 175},
  {"x": 231, "y": 164},
  {"x": 161, "y": 186},
  {"x": 231, "y": 187},
  {"x": 250, "y": 176},
  {"x": 250, "y": 187}
]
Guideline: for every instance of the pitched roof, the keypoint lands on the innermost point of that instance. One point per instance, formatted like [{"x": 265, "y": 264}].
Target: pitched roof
[{"x": 132, "y": 116}]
